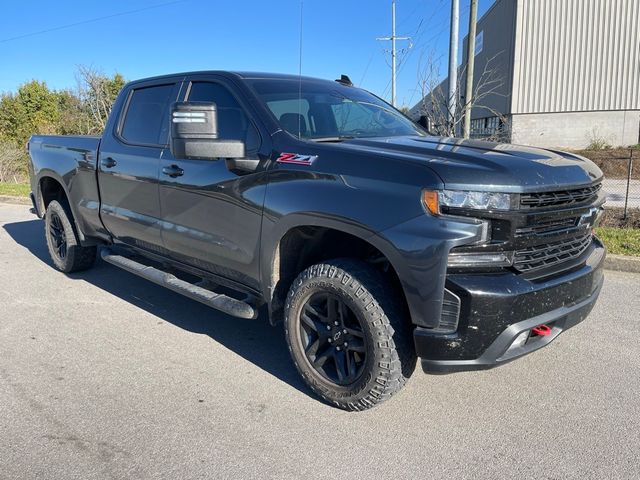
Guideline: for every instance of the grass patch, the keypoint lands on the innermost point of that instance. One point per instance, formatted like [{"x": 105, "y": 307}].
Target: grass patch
[
  {"x": 15, "y": 189},
  {"x": 620, "y": 241}
]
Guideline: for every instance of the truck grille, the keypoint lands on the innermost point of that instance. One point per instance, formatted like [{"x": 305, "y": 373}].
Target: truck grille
[
  {"x": 550, "y": 254},
  {"x": 552, "y": 227},
  {"x": 560, "y": 197}
]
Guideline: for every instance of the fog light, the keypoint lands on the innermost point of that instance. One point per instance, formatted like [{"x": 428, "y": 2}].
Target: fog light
[
  {"x": 520, "y": 340},
  {"x": 495, "y": 259}
]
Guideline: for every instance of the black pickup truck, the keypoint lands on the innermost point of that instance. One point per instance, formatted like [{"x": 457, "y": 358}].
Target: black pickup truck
[{"x": 372, "y": 241}]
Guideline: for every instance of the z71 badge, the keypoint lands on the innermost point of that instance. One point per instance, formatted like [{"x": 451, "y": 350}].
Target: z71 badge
[{"x": 296, "y": 159}]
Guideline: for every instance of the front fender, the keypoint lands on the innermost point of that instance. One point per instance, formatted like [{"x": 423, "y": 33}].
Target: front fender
[
  {"x": 272, "y": 236},
  {"x": 378, "y": 202},
  {"x": 418, "y": 250},
  {"x": 352, "y": 201}
]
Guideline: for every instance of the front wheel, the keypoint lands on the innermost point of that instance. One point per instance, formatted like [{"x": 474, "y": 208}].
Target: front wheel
[
  {"x": 63, "y": 244},
  {"x": 347, "y": 335}
]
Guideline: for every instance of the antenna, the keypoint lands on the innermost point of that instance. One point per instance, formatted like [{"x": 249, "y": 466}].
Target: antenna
[
  {"x": 300, "y": 76},
  {"x": 393, "y": 39}
]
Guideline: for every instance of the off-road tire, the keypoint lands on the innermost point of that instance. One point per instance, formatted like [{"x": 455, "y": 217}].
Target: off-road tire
[
  {"x": 390, "y": 354},
  {"x": 58, "y": 225}
]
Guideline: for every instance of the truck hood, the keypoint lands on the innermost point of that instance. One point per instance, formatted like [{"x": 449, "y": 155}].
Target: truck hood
[{"x": 478, "y": 165}]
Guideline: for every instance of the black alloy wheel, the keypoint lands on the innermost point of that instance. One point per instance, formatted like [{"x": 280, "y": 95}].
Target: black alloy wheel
[
  {"x": 332, "y": 339},
  {"x": 58, "y": 236},
  {"x": 348, "y": 334},
  {"x": 66, "y": 252}
]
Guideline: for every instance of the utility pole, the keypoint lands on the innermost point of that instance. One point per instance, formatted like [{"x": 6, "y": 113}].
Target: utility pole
[
  {"x": 453, "y": 63},
  {"x": 471, "y": 60},
  {"x": 393, "y": 39}
]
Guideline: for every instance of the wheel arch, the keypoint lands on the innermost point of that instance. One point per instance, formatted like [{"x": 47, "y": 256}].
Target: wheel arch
[
  {"x": 52, "y": 187},
  {"x": 301, "y": 241}
]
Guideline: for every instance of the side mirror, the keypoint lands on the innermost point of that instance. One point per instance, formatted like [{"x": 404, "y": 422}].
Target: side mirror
[{"x": 194, "y": 133}]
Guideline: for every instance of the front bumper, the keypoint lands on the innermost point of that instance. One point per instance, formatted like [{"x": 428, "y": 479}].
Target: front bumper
[{"x": 496, "y": 308}]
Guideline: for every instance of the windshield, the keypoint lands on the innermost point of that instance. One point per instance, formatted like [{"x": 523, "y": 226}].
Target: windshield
[{"x": 329, "y": 111}]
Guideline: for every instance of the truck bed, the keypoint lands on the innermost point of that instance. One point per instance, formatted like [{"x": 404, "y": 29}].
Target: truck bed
[
  {"x": 69, "y": 143},
  {"x": 72, "y": 161}
]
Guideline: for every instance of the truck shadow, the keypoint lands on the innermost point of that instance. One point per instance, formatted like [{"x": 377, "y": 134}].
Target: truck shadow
[{"x": 254, "y": 340}]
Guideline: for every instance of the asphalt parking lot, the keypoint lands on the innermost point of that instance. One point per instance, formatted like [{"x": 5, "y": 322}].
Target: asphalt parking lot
[{"x": 104, "y": 375}]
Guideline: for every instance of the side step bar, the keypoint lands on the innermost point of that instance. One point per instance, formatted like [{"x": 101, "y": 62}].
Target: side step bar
[{"x": 228, "y": 305}]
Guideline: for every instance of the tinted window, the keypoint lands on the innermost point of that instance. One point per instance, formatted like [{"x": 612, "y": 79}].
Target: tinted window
[
  {"x": 147, "y": 110},
  {"x": 293, "y": 114},
  {"x": 317, "y": 109},
  {"x": 351, "y": 116},
  {"x": 233, "y": 123}
]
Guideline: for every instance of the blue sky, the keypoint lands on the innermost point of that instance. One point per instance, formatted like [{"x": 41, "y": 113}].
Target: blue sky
[{"x": 338, "y": 37}]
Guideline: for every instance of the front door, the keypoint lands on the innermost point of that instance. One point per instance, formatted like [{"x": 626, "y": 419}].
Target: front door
[
  {"x": 129, "y": 161},
  {"x": 212, "y": 216}
]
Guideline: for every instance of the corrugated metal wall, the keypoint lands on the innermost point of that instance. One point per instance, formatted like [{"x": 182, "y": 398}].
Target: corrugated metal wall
[{"x": 576, "y": 55}]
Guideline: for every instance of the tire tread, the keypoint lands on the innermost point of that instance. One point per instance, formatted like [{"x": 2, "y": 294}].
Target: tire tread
[
  {"x": 396, "y": 359},
  {"x": 78, "y": 258}
]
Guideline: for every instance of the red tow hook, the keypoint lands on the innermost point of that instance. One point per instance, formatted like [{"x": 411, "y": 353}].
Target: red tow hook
[{"x": 542, "y": 330}]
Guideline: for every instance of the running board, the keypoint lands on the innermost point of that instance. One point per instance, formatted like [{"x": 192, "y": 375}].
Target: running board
[{"x": 228, "y": 305}]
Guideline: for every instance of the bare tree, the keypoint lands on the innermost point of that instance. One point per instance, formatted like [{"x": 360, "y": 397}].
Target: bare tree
[
  {"x": 97, "y": 93},
  {"x": 434, "y": 103}
]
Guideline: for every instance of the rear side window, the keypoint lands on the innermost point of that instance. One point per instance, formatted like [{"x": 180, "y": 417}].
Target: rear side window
[{"x": 146, "y": 114}]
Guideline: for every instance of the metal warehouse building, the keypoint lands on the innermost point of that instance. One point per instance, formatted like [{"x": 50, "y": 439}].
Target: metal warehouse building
[{"x": 569, "y": 71}]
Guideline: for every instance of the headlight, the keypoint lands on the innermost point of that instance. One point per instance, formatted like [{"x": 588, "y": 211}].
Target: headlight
[
  {"x": 475, "y": 200},
  {"x": 433, "y": 200}
]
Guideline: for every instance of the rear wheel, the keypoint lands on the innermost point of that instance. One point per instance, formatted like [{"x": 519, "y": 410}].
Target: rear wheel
[
  {"x": 347, "y": 334},
  {"x": 64, "y": 248}
]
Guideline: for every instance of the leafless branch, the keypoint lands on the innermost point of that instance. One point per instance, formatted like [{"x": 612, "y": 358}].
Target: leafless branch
[
  {"x": 93, "y": 90},
  {"x": 435, "y": 106}
]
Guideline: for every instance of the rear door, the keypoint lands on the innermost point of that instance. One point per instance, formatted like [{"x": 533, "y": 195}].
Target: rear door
[
  {"x": 212, "y": 216},
  {"x": 129, "y": 162}
]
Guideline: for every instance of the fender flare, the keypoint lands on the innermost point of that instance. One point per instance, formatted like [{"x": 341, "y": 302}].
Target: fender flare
[
  {"x": 47, "y": 173},
  {"x": 271, "y": 243}
]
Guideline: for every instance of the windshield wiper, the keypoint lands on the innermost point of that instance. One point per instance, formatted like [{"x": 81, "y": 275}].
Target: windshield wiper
[{"x": 340, "y": 138}]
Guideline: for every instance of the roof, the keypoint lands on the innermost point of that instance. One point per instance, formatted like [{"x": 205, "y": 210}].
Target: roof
[{"x": 236, "y": 74}]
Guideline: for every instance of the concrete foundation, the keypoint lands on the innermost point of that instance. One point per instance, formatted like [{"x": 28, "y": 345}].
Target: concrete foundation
[{"x": 576, "y": 130}]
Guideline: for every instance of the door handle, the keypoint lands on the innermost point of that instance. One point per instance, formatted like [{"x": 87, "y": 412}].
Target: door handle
[
  {"x": 108, "y": 162},
  {"x": 173, "y": 171}
]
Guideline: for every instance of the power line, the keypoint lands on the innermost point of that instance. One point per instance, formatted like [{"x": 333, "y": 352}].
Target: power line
[
  {"x": 410, "y": 16},
  {"x": 91, "y": 20},
  {"x": 422, "y": 28},
  {"x": 366, "y": 70},
  {"x": 419, "y": 34}
]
